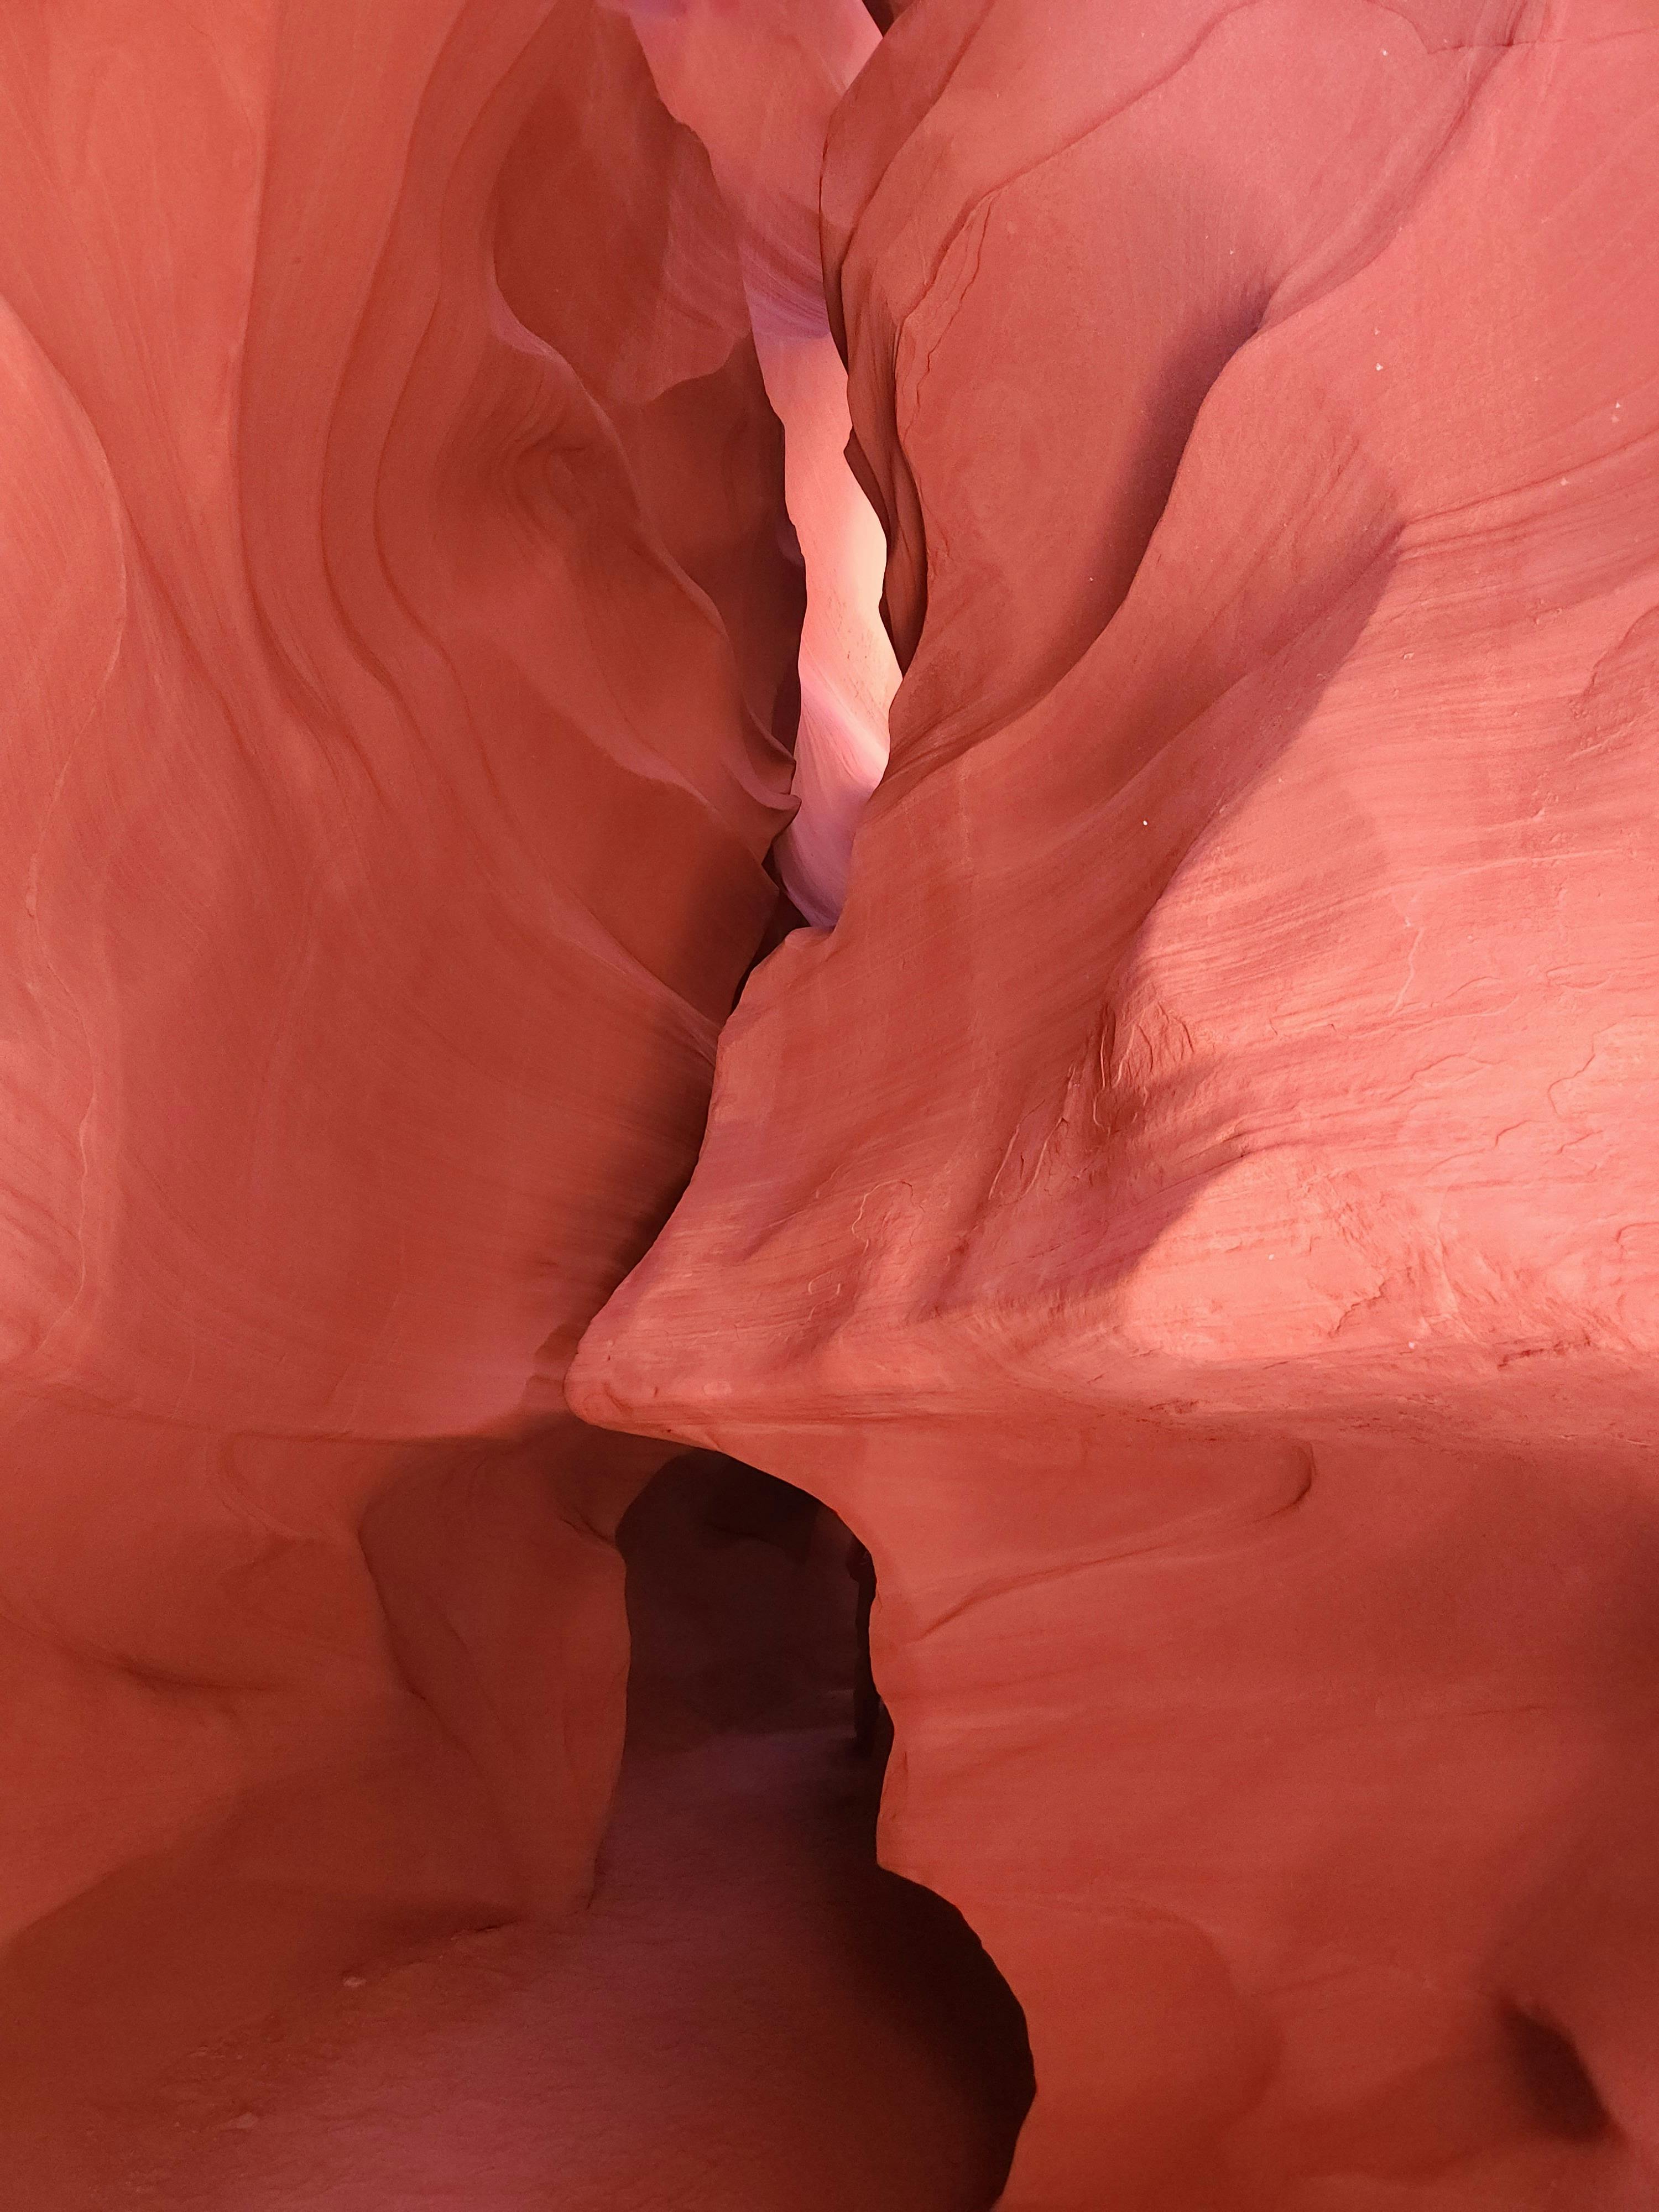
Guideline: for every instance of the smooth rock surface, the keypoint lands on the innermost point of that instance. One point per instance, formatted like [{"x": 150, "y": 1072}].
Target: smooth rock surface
[
  {"x": 1193, "y": 1217},
  {"x": 759, "y": 84},
  {"x": 397, "y": 636},
  {"x": 751, "y": 2015}
]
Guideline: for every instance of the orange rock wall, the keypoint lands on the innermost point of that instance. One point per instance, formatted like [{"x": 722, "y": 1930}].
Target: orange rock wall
[
  {"x": 1194, "y": 1215},
  {"x": 1191, "y": 1217},
  {"x": 397, "y": 645}
]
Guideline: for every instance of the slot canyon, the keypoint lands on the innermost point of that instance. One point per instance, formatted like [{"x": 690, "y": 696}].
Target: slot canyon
[{"x": 831, "y": 1291}]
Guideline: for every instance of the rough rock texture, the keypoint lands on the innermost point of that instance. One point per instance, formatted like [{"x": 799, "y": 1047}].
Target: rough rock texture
[
  {"x": 398, "y": 626},
  {"x": 1196, "y": 1216}
]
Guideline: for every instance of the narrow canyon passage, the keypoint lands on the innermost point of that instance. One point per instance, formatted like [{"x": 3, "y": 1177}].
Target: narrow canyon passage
[
  {"x": 753, "y": 2017},
  {"x": 1136, "y": 524}
]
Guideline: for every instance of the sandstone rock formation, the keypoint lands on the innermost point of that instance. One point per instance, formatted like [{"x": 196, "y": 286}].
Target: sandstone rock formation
[
  {"x": 398, "y": 636},
  {"x": 749, "y": 2014},
  {"x": 759, "y": 84},
  {"x": 1193, "y": 1217}
]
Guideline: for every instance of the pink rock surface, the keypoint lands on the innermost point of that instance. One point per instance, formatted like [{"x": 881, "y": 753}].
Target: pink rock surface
[
  {"x": 396, "y": 638},
  {"x": 750, "y": 2016},
  {"x": 759, "y": 84},
  {"x": 1194, "y": 1216}
]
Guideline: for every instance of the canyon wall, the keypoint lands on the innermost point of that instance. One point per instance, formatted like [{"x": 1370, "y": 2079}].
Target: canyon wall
[
  {"x": 398, "y": 649},
  {"x": 1193, "y": 1216},
  {"x": 758, "y": 83}
]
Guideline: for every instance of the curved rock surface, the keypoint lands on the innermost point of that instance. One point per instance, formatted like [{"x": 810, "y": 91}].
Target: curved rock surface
[
  {"x": 749, "y": 2015},
  {"x": 1193, "y": 1217},
  {"x": 398, "y": 651},
  {"x": 759, "y": 84}
]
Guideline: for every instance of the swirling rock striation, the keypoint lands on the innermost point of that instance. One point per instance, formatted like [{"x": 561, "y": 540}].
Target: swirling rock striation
[
  {"x": 397, "y": 647},
  {"x": 1193, "y": 1216}
]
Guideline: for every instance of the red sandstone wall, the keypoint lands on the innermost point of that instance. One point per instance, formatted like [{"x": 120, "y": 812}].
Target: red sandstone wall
[
  {"x": 396, "y": 651},
  {"x": 1193, "y": 1217},
  {"x": 759, "y": 84}
]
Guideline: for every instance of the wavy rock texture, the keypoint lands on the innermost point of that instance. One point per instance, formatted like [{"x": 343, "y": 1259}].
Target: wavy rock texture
[
  {"x": 1194, "y": 1216},
  {"x": 750, "y": 2016},
  {"x": 398, "y": 649},
  {"x": 759, "y": 84}
]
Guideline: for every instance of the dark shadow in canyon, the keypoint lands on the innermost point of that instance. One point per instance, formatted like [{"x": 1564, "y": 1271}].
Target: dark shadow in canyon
[
  {"x": 749, "y": 1605},
  {"x": 751, "y": 2016}
]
